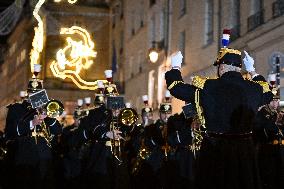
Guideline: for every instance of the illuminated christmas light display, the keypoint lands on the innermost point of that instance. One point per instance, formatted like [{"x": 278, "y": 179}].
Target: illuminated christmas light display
[
  {"x": 74, "y": 57},
  {"x": 38, "y": 37},
  {"x": 69, "y": 1}
]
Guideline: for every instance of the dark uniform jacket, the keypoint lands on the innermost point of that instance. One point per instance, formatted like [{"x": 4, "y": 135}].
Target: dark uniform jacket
[{"x": 230, "y": 103}]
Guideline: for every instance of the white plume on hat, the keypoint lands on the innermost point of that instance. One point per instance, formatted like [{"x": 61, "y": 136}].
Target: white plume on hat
[
  {"x": 145, "y": 97},
  {"x": 80, "y": 102},
  {"x": 37, "y": 67},
  {"x": 23, "y": 93},
  {"x": 108, "y": 73},
  {"x": 88, "y": 100}
]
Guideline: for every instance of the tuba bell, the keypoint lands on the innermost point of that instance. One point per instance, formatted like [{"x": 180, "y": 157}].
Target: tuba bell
[
  {"x": 127, "y": 116},
  {"x": 54, "y": 108}
]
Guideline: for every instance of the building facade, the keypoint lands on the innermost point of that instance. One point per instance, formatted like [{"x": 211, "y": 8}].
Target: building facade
[{"x": 195, "y": 28}]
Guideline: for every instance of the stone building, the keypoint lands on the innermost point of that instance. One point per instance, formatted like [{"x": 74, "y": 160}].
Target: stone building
[{"x": 195, "y": 28}]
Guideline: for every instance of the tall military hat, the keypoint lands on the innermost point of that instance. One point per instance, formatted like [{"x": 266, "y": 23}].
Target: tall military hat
[
  {"x": 227, "y": 55},
  {"x": 272, "y": 86},
  {"x": 110, "y": 88},
  {"x": 146, "y": 109},
  {"x": 99, "y": 99},
  {"x": 34, "y": 85},
  {"x": 165, "y": 108}
]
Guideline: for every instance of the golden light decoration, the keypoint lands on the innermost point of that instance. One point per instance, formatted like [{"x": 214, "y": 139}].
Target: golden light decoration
[
  {"x": 39, "y": 34},
  {"x": 74, "y": 57},
  {"x": 69, "y": 1},
  {"x": 38, "y": 37}
]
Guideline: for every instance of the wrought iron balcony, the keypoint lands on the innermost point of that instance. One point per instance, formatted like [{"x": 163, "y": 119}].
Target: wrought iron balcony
[
  {"x": 278, "y": 8},
  {"x": 255, "y": 20}
]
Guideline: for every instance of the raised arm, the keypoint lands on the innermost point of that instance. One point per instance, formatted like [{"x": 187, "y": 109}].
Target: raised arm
[{"x": 175, "y": 82}]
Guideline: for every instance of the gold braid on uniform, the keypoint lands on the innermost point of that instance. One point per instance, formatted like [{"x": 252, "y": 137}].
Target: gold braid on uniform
[
  {"x": 264, "y": 85},
  {"x": 199, "y": 82},
  {"x": 197, "y": 132},
  {"x": 224, "y": 51},
  {"x": 174, "y": 84}
]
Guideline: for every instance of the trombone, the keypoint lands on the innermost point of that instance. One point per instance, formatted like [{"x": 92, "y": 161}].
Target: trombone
[{"x": 53, "y": 109}]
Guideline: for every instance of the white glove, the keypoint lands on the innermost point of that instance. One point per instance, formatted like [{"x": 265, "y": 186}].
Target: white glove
[
  {"x": 176, "y": 60},
  {"x": 248, "y": 62}
]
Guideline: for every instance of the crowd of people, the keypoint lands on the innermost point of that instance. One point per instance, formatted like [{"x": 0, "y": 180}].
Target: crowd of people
[{"x": 229, "y": 135}]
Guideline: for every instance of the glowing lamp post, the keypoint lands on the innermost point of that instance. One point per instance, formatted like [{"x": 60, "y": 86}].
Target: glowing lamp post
[{"x": 153, "y": 56}]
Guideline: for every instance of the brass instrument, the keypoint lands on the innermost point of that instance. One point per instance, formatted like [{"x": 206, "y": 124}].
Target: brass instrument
[
  {"x": 127, "y": 116},
  {"x": 53, "y": 109}
]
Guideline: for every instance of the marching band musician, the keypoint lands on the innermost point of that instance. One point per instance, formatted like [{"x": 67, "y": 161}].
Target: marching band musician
[
  {"x": 226, "y": 107},
  {"x": 143, "y": 172},
  {"x": 35, "y": 134},
  {"x": 180, "y": 140},
  {"x": 270, "y": 140}
]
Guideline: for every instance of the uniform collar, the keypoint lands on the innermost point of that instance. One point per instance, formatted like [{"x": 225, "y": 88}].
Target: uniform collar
[{"x": 231, "y": 74}]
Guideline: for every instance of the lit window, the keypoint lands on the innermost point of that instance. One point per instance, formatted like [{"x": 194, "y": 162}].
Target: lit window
[
  {"x": 151, "y": 86},
  {"x": 23, "y": 55}
]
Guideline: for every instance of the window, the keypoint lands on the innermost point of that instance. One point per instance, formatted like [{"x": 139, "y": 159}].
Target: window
[
  {"x": 152, "y": 30},
  {"x": 121, "y": 9},
  {"x": 256, "y": 17},
  {"x": 151, "y": 87},
  {"x": 113, "y": 16},
  {"x": 255, "y": 6},
  {"x": 12, "y": 49},
  {"x": 162, "y": 25},
  {"x": 131, "y": 66},
  {"x": 133, "y": 22},
  {"x": 23, "y": 55},
  {"x": 235, "y": 19},
  {"x": 121, "y": 41},
  {"x": 181, "y": 44},
  {"x": 141, "y": 13},
  {"x": 18, "y": 60},
  {"x": 152, "y": 2},
  {"x": 182, "y": 7},
  {"x": 208, "y": 22}
]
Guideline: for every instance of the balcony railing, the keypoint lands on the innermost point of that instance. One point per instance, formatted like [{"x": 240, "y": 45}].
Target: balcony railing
[
  {"x": 278, "y": 8},
  {"x": 255, "y": 20},
  {"x": 235, "y": 33}
]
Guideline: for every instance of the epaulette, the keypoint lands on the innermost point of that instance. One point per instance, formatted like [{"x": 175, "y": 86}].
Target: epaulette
[
  {"x": 199, "y": 82},
  {"x": 264, "y": 85}
]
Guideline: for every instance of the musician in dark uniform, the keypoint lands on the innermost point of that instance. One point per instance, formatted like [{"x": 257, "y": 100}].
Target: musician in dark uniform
[
  {"x": 270, "y": 140},
  {"x": 180, "y": 139},
  {"x": 74, "y": 147},
  {"x": 226, "y": 107},
  {"x": 32, "y": 161},
  {"x": 146, "y": 169}
]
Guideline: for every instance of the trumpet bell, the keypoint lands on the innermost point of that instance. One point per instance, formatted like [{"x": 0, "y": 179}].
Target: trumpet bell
[
  {"x": 54, "y": 108},
  {"x": 128, "y": 116}
]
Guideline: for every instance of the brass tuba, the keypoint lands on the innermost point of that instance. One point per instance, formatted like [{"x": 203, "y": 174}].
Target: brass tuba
[{"x": 127, "y": 116}]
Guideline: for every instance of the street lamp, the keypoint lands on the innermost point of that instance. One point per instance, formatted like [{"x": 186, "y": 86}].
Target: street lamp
[
  {"x": 153, "y": 55},
  {"x": 154, "y": 51}
]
